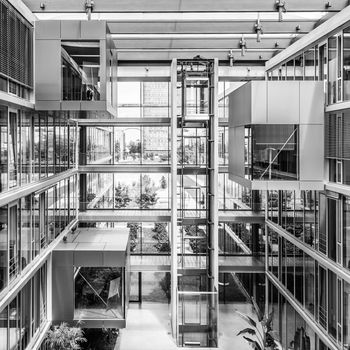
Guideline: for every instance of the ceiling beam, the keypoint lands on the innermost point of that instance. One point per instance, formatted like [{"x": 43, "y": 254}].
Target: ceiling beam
[
  {"x": 166, "y": 55},
  {"x": 225, "y": 27},
  {"x": 201, "y": 42},
  {"x": 183, "y": 6}
]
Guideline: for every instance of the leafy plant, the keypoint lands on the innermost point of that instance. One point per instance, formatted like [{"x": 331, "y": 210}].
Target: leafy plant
[
  {"x": 134, "y": 230},
  {"x": 165, "y": 284},
  {"x": 101, "y": 338},
  {"x": 261, "y": 336},
  {"x": 163, "y": 183},
  {"x": 148, "y": 197},
  {"x": 121, "y": 196},
  {"x": 65, "y": 337}
]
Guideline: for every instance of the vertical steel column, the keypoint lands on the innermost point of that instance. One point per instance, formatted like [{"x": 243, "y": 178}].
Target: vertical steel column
[
  {"x": 213, "y": 166},
  {"x": 173, "y": 224},
  {"x": 213, "y": 183}
]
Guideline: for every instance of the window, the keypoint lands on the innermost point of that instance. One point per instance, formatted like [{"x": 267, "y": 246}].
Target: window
[{"x": 80, "y": 73}]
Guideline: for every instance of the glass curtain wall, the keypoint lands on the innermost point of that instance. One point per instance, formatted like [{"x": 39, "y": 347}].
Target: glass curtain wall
[{"x": 30, "y": 224}]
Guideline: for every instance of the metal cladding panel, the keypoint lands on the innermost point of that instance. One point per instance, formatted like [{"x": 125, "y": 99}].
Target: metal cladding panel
[
  {"x": 311, "y": 102},
  {"x": 70, "y": 30},
  {"x": 114, "y": 258},
  {"x": 283, "y": 102},
  {"x": 240, "y": 111},
  {"x": 47, "y": 30},
  {"x": 259, "y": 102},
  {"x": 48, "y": 70},
  {"x": 236, "y": 151},
  {"x": 93, "y": 30},
  {"x": 311, "y": 152},
  {"x": 92, "y": 258},
  {"x": 62, "y": 293}
]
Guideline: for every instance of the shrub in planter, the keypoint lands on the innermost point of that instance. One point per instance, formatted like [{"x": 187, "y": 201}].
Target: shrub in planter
[{"x": 65, "y": 337}]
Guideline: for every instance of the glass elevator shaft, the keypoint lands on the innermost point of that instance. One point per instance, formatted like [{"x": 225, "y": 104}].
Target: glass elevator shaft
[{"x": 196, "y": 183}]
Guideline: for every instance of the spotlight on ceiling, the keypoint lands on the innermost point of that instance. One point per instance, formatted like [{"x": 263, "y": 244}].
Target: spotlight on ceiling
[
  {"x": 231, "y": 58},
  {"x": 243, "y": 45}
]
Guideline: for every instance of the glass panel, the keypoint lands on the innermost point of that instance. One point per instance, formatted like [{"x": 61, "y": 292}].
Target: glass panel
[
  {"x": 309, "y": 270},
  {"x": 309, "y": 68},
  {"x": 12, "y": 151},
  {"x": 3, "y": 248},
  {"x": 346, "y": 232},
  {"x": 25, "y": 146},
  {"x": 275, "y": 152},
  {"x": 3, "y": 148},
  {"x": 99, "y": 293},
  {"x": 197, "y": 315},
  {"x": 346, "y": 315},
  {"x": 332, "y": 304},
  {"x": 14, "y": 243},
  {"x": 3, "y": 329},
  {"x": 80, "y": 70},
  {"x": 26, "y": 232},
  {"x": 14, "y": 324},
  {"x": 346, "y": 64},
  {"x": 332, "y": 70}
]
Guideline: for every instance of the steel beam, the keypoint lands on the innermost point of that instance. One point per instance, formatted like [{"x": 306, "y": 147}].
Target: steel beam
[{"x": 183, "y": 6}]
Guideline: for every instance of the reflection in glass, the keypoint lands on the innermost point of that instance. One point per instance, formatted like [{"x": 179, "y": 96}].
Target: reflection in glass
[
  {"x": 273, "y": 151},
  {"x": 3, "y": 247},
  {"x": 80, "y": 70},
  {"x": 99, "y": 293},
  {"x": 3, "y": 148},
  {"x": 346, "y": 64},
  {"x": 332, "y": 70}
]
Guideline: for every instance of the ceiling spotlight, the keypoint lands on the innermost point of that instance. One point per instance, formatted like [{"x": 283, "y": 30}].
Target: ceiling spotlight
[
  {"x": 243, "y": 45},
  {"x": 328, "y": 5},
  {"x": 231, "y": 58},
  {"x": 277, "y": 44},
  {"x": 280, "y": 7},
  {"x": 42, "y": 5},
  {"x": 258, "y": 30},
  {"x": 298, "y": 28}
]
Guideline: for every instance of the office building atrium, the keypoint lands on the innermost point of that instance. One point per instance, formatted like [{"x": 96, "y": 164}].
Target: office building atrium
[{"x": 174, "y": 174}]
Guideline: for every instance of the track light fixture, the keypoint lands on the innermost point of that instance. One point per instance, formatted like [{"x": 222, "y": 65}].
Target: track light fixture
[{"x": 280, "y": 7}]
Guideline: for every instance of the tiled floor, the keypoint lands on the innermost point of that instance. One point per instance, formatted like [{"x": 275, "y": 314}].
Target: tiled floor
[{"x": 148, "y": 328}]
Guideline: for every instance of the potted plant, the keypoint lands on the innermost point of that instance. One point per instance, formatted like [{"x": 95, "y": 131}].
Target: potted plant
[{"x": 261, "y": 336}]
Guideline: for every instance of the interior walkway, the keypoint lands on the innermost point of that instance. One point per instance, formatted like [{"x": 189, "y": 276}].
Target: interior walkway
[{"x": 148, "y": 328}]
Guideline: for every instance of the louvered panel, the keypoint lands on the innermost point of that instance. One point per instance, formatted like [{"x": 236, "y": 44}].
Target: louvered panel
[
  {"x": 330, "y": 136},
  {"x": 4, "y": 39},
  {"x": 12, "y": 44},
  {"x": 346, "y": 135},
  {"x": 16, "y": 40}
]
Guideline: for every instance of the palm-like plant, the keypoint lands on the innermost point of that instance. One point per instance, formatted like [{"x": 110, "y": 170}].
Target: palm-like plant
[
  {"x": 262, "y": 332},
  {"x": 64, "y": 337}
]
